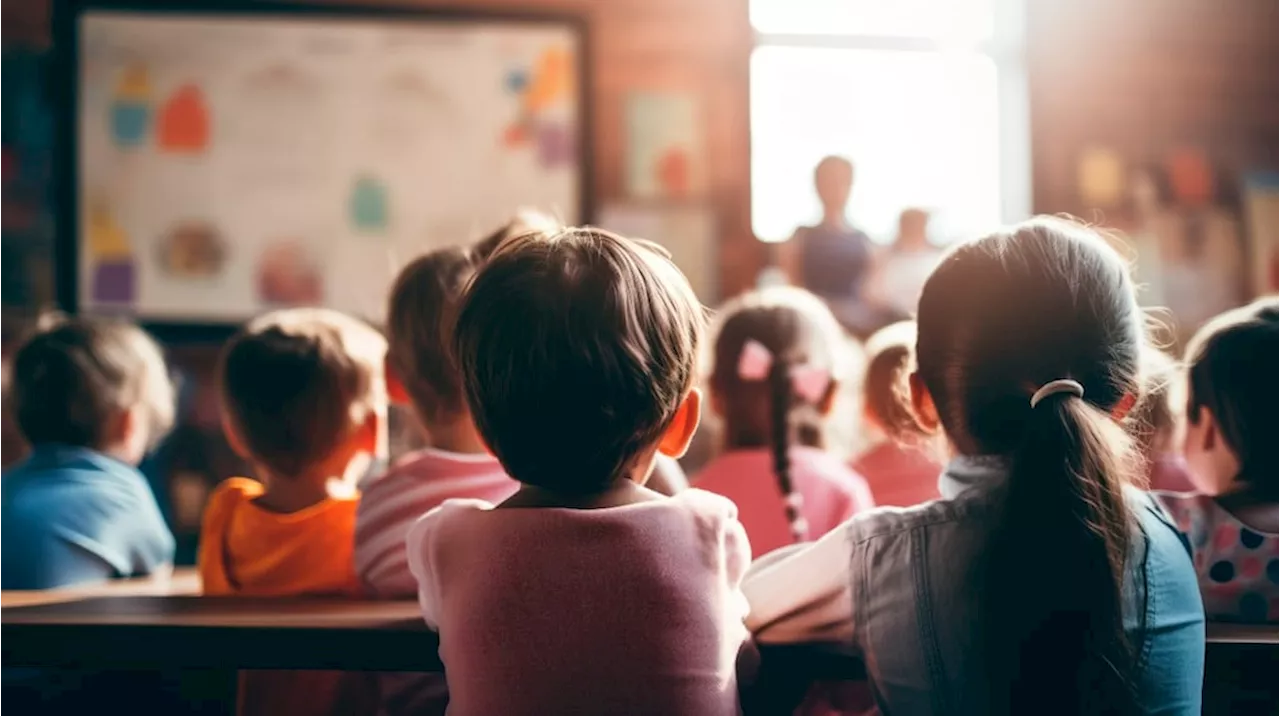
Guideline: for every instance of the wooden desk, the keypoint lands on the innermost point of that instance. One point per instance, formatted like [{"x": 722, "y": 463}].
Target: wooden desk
[
  {"x": 184, "y": 581},
  {"x": 153, "y": 632}
]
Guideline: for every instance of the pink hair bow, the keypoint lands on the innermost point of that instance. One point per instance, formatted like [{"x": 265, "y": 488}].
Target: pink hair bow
[{"x": 809, "y": 382}]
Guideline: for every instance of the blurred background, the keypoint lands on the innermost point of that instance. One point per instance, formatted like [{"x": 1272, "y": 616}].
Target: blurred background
[{"x": 696, "y": 124}]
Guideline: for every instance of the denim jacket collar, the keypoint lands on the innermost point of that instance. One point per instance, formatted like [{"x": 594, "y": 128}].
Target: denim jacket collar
[{"x": 966, "y": 472}]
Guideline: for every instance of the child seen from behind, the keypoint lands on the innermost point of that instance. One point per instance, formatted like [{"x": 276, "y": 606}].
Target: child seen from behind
[
  {"x": 774, "y": 384},
  {"x": 1230, "y": 446},
  {"x": 898, "y": 466},
  {"x": 585, "y": 592},
  {"x": 304, "y": 402},
  {"x": 91, "y": 397},
  {"x": 1157, "y": 420}
]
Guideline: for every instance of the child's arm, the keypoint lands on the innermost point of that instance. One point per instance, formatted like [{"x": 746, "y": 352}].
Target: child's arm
[{"x": 802, "y": 593}]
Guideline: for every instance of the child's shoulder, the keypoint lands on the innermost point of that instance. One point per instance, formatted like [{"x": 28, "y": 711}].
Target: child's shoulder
[
  {"x": 235, "y": 489},
  {"x": 705, "y": 504}
]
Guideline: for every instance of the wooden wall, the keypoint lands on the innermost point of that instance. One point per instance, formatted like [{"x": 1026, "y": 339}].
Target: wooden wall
[{"x": 1147, "y": 77}]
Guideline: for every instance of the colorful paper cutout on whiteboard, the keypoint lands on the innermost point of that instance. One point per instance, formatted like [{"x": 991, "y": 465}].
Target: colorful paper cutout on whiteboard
[
  {"x": 114, "y": 282},
  {"x": 369, "y": 204},
  {"x": 556, "y": 146},
  {"x": 665, "y": 151},
  {"x": 106, "y": 240},
  {"x": 289, "y": 275},
  {"x": 544, "y": 93},
  {"x": 183, "y": 124},
  {"x": 131, "y": 108},
  {"x": 192, "y": 250}
]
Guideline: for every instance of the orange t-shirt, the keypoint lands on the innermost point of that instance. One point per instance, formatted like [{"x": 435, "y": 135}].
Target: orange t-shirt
[
  {"x": 247, "y": 550},
  {"x": 251, "y": 551}
]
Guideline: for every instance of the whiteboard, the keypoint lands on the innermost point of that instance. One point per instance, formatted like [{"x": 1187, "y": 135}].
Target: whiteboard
[{"x": 229, "y": 164}]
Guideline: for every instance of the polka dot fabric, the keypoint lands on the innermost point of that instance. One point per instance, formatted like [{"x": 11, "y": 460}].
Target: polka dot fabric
[{"x": 1237, "y": 566}]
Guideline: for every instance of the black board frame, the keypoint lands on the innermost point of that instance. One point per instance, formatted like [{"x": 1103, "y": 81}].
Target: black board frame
[{"x": 65, "y": 76}]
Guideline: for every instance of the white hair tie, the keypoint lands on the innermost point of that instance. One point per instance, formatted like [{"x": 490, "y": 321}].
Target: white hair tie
[{"x": 1054, "y": 387}]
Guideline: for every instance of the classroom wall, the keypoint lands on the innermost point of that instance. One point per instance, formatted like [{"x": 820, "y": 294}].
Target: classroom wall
[
  {"x": 637, "y": 45},
  {"x": 1147, "y": 77}
]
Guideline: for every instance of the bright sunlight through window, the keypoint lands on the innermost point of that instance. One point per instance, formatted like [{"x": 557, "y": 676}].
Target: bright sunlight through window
[{"x": 915, "y": 99}]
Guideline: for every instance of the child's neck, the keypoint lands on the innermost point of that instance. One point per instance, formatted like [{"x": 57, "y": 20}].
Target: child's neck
[
  {"x": 456, "y": 436},
  {"x": 621, "y": 492},
  {"x": 294, "y": 493}
]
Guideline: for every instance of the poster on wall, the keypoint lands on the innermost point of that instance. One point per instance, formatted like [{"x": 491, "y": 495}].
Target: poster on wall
[
  {"x": 232, "y": 163},
  {"x": 1261, "y": 209},
  {"x": 665, "y": 153}
]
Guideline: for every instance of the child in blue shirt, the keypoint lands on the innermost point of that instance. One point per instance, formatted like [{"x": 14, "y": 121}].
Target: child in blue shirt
[{"x": 92, "y": 397}]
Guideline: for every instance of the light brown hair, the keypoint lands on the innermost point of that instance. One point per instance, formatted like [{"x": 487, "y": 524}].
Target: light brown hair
[
  {"x": 1156, "y": 414},
  {"x": 885, "y": 389},
  {"x": 73, "y": 376},
  {"x": 423, "y": 301},
  {"x": 295, "y": 383},
  {"x": 576, "y": 347}
]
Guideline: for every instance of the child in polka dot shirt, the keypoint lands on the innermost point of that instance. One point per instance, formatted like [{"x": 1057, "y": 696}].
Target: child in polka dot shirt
[{"x": 1230, "y": 447}]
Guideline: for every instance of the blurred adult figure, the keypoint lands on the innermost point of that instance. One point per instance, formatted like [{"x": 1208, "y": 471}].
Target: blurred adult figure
[
  {"x": 834, "y": 258},
  {"x": 900, "y": 272}
]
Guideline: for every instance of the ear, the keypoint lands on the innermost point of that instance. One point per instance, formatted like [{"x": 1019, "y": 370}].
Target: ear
[
  {"x": 679, "y": 433},
  {"x": 233, "y": 437},
  {"x": 396, "y": 392},
  {"x": 828, "y": 402},
  {"x": 1208, "y": 428},
  {"x": 922, "y": 402}
]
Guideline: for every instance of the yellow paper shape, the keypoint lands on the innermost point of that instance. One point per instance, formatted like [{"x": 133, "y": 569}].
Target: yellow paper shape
[
  {"x": 106, "y": 240},
  {"x": 134, "y": 84},
  {"x": 1101, "y": 177},
  {"x": 552, "y": 80}
]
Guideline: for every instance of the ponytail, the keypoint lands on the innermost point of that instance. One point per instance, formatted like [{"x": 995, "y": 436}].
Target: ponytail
[
  {"x": 780, "y": 399},
  {"x": 1054, "y": 567}
]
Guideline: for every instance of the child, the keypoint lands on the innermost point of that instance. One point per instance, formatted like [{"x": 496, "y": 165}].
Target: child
[
  {"x": 1157, "y": 420},
  {"x": 1043, "y": 581},
  {"x": 898, "y": 468},
  {"x": 91, "y": 397},
  {"x": 774, "y": 384},
  {"x": 303, "y": 400},
  {"x": 421, "y": 371},
  {"x": 1231, "y": 449},
  {"x": 585, "y": 592}
]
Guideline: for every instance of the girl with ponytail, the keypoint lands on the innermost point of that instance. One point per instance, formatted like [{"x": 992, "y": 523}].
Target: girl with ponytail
[
  {"x": 1043, "y": 581},
  {"x": 774, "y": 381}
]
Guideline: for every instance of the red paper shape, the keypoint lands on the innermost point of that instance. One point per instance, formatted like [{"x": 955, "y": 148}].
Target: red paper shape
[
  {"x": 673, "y": 172},
  {"x": 183, "y": 125}
]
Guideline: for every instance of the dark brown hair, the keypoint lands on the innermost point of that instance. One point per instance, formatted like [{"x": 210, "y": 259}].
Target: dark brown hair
[
  {"x": 295, "y": 383},
  {"x": 798, "y": 329},
  {"x": 420, "y": 310},
  {"x": 885, "y": 387},
  {"x": 1231, "y": 370},
  {"x": 576, "y": 348},
  {"x": 1000, "y": 317},
  {"x": 73, "y": 376}
]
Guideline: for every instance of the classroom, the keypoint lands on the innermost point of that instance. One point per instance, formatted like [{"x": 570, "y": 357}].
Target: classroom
[{"x": 804, "y": 357}]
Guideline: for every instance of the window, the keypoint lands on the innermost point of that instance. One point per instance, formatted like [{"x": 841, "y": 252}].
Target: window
[{"x": 927, "y": 97}]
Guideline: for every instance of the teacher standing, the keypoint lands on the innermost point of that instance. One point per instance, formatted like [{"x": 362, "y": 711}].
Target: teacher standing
[{"x": 835, "y": 258}]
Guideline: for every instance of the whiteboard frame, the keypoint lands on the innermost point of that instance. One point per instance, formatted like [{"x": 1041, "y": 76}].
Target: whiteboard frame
[{"x": 65, "y": 95}]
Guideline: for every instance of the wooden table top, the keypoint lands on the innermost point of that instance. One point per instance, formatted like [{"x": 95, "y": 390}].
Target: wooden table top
[{"x": 152, "y": 631}]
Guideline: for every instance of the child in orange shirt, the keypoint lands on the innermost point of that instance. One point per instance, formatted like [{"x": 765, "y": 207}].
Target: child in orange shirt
[{"x": 304, "y": 400}]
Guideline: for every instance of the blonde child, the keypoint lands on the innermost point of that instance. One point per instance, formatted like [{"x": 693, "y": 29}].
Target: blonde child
[
  {"x": 304, "y": 403},
  {"x": 1157, "y": 420},
  {"x": 898, "y": 466},
  {"x": 774, "y": 385},
  {"x": 91, "y": 397},
  {"x": 585, "y": 592},
  {"x": 1231, "y": 449}
]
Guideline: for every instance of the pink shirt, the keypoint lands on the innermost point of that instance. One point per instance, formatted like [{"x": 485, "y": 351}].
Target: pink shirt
[
  {"x": 414, "y": 486},
  {"x": 832, "y": 492},
  {"x": 899, "y": 476},
  {"x": 632, "y": 609}
]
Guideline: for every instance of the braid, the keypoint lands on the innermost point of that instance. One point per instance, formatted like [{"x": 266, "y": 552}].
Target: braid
[{"x": 780, "y": 433}]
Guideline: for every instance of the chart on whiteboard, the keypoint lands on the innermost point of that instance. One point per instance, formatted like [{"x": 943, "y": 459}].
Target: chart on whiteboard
[{"x": 229, "y": 165}]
